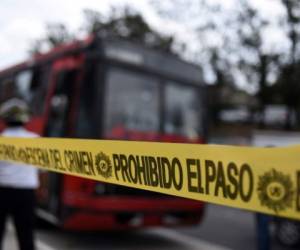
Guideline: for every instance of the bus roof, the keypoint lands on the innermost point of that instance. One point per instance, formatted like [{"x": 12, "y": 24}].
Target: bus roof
[
  {"x": 122, "y": 51},
  {"x": 153, "y": 60},
  {"x": 58, "y": 51}
]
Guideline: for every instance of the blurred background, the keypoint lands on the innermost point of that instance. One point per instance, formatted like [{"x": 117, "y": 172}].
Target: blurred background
[{"x": 199, "y": 71}]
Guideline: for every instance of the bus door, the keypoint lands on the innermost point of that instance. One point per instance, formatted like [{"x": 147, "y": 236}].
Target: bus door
[{"x": 60, "y": 116}]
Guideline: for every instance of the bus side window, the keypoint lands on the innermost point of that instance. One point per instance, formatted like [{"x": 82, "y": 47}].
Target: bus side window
[
  {"x": 38, "y": 89},
  {"x": 8, "y": 89},
  {"x": 60, "y": 104},
  {"x": 23, "y": 81},
  {"x": 30, "y": 85},
  {"x": 88, "y": 118}
]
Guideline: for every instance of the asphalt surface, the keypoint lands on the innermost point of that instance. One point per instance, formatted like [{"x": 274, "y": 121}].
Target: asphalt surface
[
  {"x": 223, "y": 228},
  {"x": 231, "y": 228}
]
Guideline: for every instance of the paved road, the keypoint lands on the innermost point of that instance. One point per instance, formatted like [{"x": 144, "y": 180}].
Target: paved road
[
  {"x": 154, "y": 239},
  {"x": 229, "y": 227},
  {"x": 222, "y": 229}
]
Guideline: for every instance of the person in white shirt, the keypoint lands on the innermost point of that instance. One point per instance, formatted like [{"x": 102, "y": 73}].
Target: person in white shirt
[{"x": 18, "y": 182}]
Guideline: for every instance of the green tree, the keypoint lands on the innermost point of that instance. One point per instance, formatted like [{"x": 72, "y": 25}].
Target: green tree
[
  {"x": 241, "y": 54},
  {"x": 127, "y": 24},
  {"x": 292, "y": 8},
  {"x": 124, "y": 23},
  {"x": 255, "y": 62},
  {"x": 56, "y": 34},
  {"x": 290, "y": 71},
  {"x": 213, "y": 44}
]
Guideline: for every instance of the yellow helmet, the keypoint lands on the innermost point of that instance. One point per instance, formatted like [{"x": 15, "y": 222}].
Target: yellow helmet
[{"x": 14, "y": 110}]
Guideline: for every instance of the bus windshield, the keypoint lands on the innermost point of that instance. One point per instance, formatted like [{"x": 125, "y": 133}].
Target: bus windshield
[
  {"x": 132, "y": 101},
  {"x": 182, "y": 110},
  {"x": 138, "y": 102}
]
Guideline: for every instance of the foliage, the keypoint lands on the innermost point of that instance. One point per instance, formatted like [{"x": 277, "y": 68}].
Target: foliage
[
  {"x": 125, "y": 23},
  {"x": 56, "y": 34},
  {"x": 241, "y": 54},
  {"x": 290, "y": 72}
]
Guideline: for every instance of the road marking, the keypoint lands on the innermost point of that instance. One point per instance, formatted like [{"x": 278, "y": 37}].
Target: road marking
[{"x": 189, "y": 241}]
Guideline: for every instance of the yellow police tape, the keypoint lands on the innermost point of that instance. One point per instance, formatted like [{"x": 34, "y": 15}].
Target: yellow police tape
[{"x": 264, "y": 180}]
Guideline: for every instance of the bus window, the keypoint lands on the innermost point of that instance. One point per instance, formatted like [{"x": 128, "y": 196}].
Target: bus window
[
  {"x": 18, "y": 86},
  {"x": 132, "y": 102},
  {"x": 60, "y": 104},
  {"x": 8, "y": 89},
  {"x": 23, "y": 84},
  {"x": 182, "y": 111},
  {"x": 29, "y": 85},
  {"x": 88, "y": 112},
  {"x": 38, "y": 89}
]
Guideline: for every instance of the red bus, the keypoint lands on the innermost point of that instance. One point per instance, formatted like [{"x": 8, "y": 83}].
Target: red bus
[{"x": 109, "y": 89}]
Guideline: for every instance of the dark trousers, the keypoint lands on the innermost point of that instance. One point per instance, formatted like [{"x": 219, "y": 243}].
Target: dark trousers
[{"x": 19, "y": 204}]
